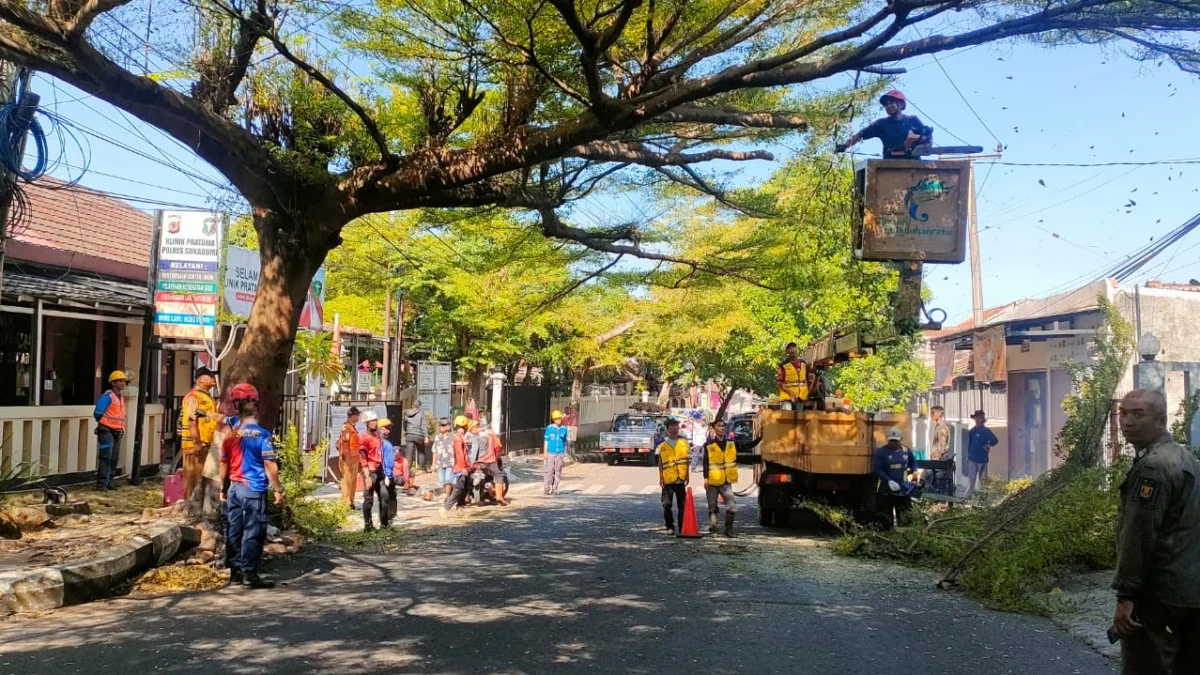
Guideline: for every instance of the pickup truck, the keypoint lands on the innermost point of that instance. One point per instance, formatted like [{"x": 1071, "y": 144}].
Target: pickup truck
[{"x": 633, "y": 438}]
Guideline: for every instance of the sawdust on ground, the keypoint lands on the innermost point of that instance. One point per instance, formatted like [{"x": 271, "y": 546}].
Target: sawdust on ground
[{"x": 179, "y": 579}]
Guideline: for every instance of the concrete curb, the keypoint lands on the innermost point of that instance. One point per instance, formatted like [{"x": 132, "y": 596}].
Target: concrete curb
[{"x": 92, "y": 578}]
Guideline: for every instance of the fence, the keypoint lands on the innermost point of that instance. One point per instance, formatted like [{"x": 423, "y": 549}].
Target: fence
[
  {"x": 596, "y": 412},
  {"x": 59, "y": 440},
  {"x": 526, "y": 414}
]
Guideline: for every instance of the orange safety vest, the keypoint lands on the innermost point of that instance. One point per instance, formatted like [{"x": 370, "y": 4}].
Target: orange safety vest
[
  {"x": 348, "y": 445},
  {"x": 114, "y": 415}
]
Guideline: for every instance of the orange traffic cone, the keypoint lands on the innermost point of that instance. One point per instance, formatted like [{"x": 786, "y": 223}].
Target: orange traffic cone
[{"x": 688, "y": 528}]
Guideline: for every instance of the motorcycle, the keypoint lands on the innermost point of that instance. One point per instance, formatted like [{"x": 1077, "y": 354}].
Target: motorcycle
[{"x": 480, "y": 486}]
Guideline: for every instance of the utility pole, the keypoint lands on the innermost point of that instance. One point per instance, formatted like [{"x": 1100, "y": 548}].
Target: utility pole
[{"x": 973, "y": 237}]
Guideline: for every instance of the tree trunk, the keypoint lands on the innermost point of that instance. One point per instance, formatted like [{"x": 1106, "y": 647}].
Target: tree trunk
[
  {"x": 577, "y": 376},
  {"x": 475, "y": 385},
  {"x": 725, "y": 399}
]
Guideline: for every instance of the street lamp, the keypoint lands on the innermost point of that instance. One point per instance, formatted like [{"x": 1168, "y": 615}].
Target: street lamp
[{"x": 1148, "y": 346}]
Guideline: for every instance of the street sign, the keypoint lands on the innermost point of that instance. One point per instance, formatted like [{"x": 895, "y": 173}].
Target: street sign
[
  {"x": 433, "y": 387},
  {"x": 242, "y": 269},
  {"x": 186, "y": 278}
]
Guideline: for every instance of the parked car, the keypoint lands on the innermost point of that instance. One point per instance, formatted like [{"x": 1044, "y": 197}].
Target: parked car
[{"x": 633, "y": 437}]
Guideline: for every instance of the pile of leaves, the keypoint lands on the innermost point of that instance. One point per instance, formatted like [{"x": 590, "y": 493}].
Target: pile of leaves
[{"x": 179, "y": 578}]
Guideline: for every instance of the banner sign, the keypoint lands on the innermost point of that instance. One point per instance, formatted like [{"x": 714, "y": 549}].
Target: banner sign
[
  {"x": 242, "y": 268},
  {"x": 189, "y": 263},
  {"x": 943, "y": 364},
  {"x": 989, "y": 352}
]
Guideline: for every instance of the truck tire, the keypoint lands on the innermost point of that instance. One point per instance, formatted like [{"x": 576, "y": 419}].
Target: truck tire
[
  {"x": 766, "y": 517},
  {"x": 609, "y": 460}
]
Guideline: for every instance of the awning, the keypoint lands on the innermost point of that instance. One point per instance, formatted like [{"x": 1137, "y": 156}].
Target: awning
[{"x": 77, "y": 289}]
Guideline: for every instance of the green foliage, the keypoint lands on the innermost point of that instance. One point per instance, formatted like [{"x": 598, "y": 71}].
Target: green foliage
[
  {"x": 1180, "y": 427},
  {"x": 300, "y": 475},
  {"x": 885, "y": 380},
  {"x": 315, "y": 357},
  {"x": 1094, "y": 383}
]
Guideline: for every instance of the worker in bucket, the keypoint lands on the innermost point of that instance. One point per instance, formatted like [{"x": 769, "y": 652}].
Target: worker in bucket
[{"x": 903, "y": 136}]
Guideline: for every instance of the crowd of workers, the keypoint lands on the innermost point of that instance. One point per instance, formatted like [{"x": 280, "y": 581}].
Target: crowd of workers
[{"x": 449, "y": 457}]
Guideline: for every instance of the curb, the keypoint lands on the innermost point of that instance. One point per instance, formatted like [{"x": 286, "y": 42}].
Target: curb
[{"x": 92, "y": 578}]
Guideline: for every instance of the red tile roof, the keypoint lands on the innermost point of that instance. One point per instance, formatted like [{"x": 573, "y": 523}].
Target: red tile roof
[
  {"x": 964, "y": 325},
  {"x": 84, "y": 229}
]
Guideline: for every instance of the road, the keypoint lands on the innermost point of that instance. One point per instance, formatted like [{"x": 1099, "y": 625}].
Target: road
[{"x": 583, "y": 582}]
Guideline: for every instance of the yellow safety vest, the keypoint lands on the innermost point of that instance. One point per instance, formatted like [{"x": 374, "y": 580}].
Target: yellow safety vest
[
  {"x": 795, "y": 382},
  {"x": 207, "y": 425},
  {"x": 673, "y": 460},
  {"x": 722, "y": 464}
]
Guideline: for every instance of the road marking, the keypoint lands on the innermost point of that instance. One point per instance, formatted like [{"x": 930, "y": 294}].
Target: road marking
[
  {"x": 621, "y": 489},
  {"x": 593, "y": 489},
  {"x": 650, "y": 489}
]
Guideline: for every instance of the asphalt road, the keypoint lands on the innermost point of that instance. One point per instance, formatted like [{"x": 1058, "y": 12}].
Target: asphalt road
[{"x": 584, "y": 582}]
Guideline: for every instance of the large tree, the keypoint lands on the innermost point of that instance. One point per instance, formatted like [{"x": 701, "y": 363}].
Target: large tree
[{"x": 528, "y": 103}]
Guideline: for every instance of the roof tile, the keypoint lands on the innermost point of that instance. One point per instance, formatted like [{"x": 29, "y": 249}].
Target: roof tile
[{"x": 79, "y": 220}]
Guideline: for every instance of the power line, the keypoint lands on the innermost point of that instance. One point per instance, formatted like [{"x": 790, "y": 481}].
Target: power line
[
  {"x": 1156, "y": 162},
  {"x": 960, "y": 94}
]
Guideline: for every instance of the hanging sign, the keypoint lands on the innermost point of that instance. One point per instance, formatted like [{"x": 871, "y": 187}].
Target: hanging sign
[
  {"x": 912, "y": 210},
  {"x": 242, "y": 268},
  {"x": 186, "y": 281}
]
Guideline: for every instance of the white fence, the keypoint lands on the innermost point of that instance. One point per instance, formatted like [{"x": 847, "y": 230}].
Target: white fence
[
  {"x": 61, "y": 439},
  {"x": 596, "y": 412}
]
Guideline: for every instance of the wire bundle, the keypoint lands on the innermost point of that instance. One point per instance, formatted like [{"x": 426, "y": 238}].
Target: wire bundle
[{"x": 52, "y": 138}]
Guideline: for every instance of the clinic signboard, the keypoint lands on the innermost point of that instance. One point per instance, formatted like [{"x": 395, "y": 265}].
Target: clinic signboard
[
  {"x": 187, "y": 274},
  {"x": 242, "y": 269}
]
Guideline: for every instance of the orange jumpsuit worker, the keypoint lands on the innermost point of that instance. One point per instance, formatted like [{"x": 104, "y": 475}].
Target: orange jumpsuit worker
[
  {"x": 348, "y": 455},
  {"x": 198, "y": 421}
]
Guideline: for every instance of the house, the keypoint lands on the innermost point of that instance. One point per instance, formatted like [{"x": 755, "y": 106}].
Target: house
[
  {"x": 1014, "y": 366},
  {"x": 72, "y": 307}
]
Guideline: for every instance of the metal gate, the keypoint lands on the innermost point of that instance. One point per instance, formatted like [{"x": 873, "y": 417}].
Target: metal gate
[{"x": 526, "y": 414}]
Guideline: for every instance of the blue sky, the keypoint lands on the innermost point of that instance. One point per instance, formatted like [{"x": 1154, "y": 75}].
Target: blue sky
[{"x": 1063, "y": 105}]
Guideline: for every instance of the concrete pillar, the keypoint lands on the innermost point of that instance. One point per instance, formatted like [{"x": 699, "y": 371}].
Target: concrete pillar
[
  {"x": 1150, "y": 375},
  {"x": 497, "y": 392}
]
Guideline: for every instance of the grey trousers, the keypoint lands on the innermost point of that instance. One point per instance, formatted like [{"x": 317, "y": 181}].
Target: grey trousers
[
  {"x": 726, "y": 491},
  {"x": 552, "y": 474}
]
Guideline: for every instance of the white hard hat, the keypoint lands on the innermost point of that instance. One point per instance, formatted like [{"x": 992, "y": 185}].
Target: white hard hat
[
  {"x": 370, "y": 416},
  {"x": 894, "y": 434}
]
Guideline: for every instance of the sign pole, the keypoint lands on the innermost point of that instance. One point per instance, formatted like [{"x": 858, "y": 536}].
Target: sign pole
[
  {"x": 147, "y": 350},
  {"x": 973, "y": 236}
]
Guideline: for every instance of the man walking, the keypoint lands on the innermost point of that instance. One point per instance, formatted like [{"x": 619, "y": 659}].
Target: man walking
[
  {"x": 247, "y": 467},
  {"x": 489, "y": 458},
  {"x": 348, "y": 455},
  {"x": 389, "y": 466},
  {"x": 1158, "y": 546},
  {"x": 416, "y": 434},
  {"x": 198, "y": 420},
  {"x": 980, "y": 441},
  {"x": 673, "y": 472},
  {"x": 443, "y": 455},
  {"x": 720, "y": 473},
  {"x": 372, "y": 473},
  {"x": 110, "y": 428},
  {"x": 458, "y": 491},
  {"x": 554, "y": 453}
]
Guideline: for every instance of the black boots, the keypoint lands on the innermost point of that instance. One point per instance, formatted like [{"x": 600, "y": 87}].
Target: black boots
[
  {"x": 712, "y": 523},
  {"x": 728, "y": 524},
  {"x": 252, "y": 580}
]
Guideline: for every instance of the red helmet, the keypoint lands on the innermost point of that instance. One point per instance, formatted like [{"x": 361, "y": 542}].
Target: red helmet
[
  {"x": 896, "y": 94},
  {"x": 244, "y": 392}
]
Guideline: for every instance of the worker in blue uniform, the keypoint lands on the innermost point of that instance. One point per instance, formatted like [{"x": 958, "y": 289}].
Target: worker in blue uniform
[{"x": 892, "y": 464}]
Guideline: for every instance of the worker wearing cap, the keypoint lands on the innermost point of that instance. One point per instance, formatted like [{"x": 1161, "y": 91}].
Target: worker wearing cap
[
  {"x": 899, "y": 133},
  {"x": 371, "y": 466},
  {"x": 720, "y": 473},
  {"x": 443, "y": 455},
  {"x": 673, "y": 472},
  {"x": 198, "y": 421},
  {"x": 248, "y": 468},
  {"x": 395, "y": 471},
  {"x": 554, "y": 453},
  {"x": 458, "y": 491},
  {"x": 892, "y": 463},
  {"x": 110, "y": 428},
  {"x": 348, "y": 455}
]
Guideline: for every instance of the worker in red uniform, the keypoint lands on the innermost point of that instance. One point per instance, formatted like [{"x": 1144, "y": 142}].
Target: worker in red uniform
[
  {"x": 900, "y": 133},
  {"x": 348, "y": 455},
  {"x": 371, "y": 452},
  {"x": 462, "y": 466},
  {"x": 110, "y": 429}
]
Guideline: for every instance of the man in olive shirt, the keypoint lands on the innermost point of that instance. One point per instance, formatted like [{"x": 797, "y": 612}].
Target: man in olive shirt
[{"x": 1158, "y": 546}]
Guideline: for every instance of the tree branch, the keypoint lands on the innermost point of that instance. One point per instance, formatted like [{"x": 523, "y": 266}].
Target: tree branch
[
  {"x": 88, "y": 13},
  {"x": 637, "y": 153},
  {"x": 552, "y": 226},
  {"x": 737, "y": 118}
]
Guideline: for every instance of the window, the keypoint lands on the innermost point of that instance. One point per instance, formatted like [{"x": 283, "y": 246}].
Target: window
[{"x": 16, "y": 359}]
